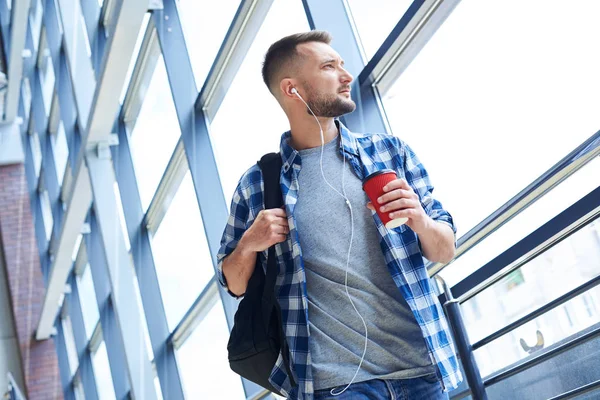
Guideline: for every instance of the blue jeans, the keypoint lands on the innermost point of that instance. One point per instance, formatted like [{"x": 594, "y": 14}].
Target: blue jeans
[{"x": 426, "y": 387}]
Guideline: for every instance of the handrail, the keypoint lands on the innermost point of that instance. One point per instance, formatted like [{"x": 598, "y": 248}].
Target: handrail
[
  {"x": 576, "y": 159},
  {"x": 14, "y": 393}
]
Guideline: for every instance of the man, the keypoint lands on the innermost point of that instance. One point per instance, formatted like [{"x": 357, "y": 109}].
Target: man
[{"x": 333, "y": 257}]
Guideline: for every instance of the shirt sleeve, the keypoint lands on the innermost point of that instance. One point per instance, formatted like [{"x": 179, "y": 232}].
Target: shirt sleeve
[
  {"x": 418, "y": 179},
  {"x": 234, "y": 229}
]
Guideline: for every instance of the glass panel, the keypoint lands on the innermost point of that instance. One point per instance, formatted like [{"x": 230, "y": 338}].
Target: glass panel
[
  {"x": 36, "y": 151},
  {"x": 538, "y": 282},
  {"x": 553, "y": 203},
  {"x": 134, "y": 57},
  {"x": 61, "y": 152},
  {"x": 104, "y": 383},
  {"x": 47, "y": 77},
  {"x": 568, "y": 319},
  {"x": 35, "y": 20},
  {"x": 143, "y": 321},
  {"x": 155, "y": 134},
  {"x": 70, "y": 344},
  {"x": 375, "y": 20},
  {"x": 211, "y": 24},
  {"x": 563, "y": 372},
  {"x": 240, "y": 131},
  {"x": 87, "y": 298},
  {"x": 181, "y": 254},
  {"x": 159, "y": 395},
  {"x": 203, "y": 379},
  {"x": 489, "y": 109},
  {"x": 122, "y": 216},
  {"x": 26, "y": 93},
  {"x": 46, "y": 213},
  {"x": 78, "y": 388}
]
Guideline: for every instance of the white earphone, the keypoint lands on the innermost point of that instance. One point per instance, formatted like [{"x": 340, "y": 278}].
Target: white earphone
[{"x": 294, "y": 91}]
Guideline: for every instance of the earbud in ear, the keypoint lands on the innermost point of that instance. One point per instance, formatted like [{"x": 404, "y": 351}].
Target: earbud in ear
[{"x": 294, "y": 91}]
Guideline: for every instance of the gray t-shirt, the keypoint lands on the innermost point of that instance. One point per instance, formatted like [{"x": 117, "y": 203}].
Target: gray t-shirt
[{"x": 396, "y": 348}]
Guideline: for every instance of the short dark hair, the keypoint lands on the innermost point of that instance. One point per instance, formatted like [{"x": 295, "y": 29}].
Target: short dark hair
[{"x": 283, "y": 52}]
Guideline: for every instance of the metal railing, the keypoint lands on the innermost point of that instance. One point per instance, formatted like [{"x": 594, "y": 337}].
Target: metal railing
[{"x": 561, "y": 226}]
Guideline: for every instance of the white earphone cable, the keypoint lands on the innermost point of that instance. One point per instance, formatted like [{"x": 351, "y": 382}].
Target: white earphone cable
[{"x": 351, "y": 235}]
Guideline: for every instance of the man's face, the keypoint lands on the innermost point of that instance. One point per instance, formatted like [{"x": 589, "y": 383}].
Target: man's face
[{"x": 325, "y": 81}]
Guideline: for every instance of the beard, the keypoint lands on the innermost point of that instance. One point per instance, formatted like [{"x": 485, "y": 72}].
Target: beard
[{"x": 328, "y": 106}]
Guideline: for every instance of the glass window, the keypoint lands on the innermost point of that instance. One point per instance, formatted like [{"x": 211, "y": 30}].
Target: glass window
[
  {"x": 375, "y": 20},
  {"x": 556, "y": 326},
  {"x": 214, "y": 379},
  {"x": 242, "y": 131},
  {"x": 36, "y": 152},
  {"x": 489, "y": 109},
  {"x": 143, "y": 321},
  {"x": 122, "y": 216},
  {"x": 35, "y": 20},
  {"x": 47, "y": 77},
  {"x": 155, "y": 134},
  {"x": 540, "y": 281},
  {"x": 181, "y": 254},
  {"x": 46, "y": 213},
  {"x": 61, "y": 152},
  {"x": 136, "y": 52},
  {"x": 198, "y": 21},
  {"x": 87, "y": 298},
  {"x": 70, "y": 344},
  {"x": 552, "y": 203},
  {"x": 104, "y": 383}
]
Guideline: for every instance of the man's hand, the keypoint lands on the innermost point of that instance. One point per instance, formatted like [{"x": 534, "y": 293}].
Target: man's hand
[
  {"x": 400, "y": 200},
  {"x": 269, "y": 227}
]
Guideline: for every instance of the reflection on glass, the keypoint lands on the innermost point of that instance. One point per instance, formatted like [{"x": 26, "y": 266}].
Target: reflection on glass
[
  {"x": 87, "y": 298},
  {"x": 183, "y": 262},
  {"x": 210, "y": 24},
  {"x": 375, "y": 20},
  {"x": 203, "y": 363},
  {"x": 242, "y": 131},
  {"x": 488, "y": 110},
  {"x": 61, "y": 152},
  {"x": 155, "y": 134},
  {"x": 104, "y": 383}
]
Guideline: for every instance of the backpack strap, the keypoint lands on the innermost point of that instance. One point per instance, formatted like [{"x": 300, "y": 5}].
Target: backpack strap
[{"x": 270, "y": 165}]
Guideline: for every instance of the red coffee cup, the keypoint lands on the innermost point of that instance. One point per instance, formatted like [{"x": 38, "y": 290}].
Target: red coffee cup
[{"x": 373, "y": 185}]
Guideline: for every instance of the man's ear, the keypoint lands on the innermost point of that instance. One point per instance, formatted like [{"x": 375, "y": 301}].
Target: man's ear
[{"x": 285, "y": 87}]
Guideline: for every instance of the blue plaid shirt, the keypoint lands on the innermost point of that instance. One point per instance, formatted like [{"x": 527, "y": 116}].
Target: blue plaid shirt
[{"x": 366, "y": 153}]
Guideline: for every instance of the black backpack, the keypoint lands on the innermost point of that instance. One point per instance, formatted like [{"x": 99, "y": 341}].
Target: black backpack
[{"x": 257, "y": 334}]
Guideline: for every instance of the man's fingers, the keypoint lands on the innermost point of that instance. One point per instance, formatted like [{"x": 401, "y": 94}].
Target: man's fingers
[
  {"x": 393, "y": 195},
  {"x": 279, "y": 212},
  {"x": 396, "y": 184}
]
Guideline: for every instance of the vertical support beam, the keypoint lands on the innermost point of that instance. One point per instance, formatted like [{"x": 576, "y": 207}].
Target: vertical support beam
[
  {"x": 143, "y": 261},
  {"x": 331, "y": 16},
  {"x": 18, "y": 31},
  {"x": 86, "y": 371},
  {"x": 120, "y": 276},
  {"x": 110, "y": 333},
  {"x": 198, "y": 149}
]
